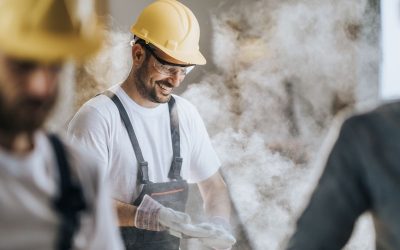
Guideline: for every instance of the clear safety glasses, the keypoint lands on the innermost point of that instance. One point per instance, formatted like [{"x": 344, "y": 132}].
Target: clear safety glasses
[{"x": 164, "y": 67}]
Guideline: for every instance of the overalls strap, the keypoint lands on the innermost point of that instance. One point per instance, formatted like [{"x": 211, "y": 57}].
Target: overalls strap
[
  {"x": 70, "y": 201},
  {"x": 143, "y": 172},
  {"x": 176, "y": 165},
  {"x": 143, "y": 169}
]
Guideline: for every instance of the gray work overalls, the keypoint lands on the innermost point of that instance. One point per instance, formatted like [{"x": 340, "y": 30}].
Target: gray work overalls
[{"x": 172, "y": 194}]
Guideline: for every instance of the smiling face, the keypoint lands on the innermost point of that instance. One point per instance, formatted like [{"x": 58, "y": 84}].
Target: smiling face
[
  {"x": 153, "y": 85},
  {"x": 28, "y": 92}
]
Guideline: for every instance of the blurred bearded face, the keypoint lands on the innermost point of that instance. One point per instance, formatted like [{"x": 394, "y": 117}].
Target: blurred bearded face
[{"x": 28, "y": 92}]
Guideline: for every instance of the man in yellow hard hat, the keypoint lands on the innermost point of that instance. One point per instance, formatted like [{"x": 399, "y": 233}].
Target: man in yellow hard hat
[
  {"x": 148, "y": 152},
  {"x": 51, "y": 197}
]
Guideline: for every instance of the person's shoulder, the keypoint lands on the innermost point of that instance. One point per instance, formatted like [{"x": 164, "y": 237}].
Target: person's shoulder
[
  {"x": 98, "y": 106},
  {"x": 387, "y": 110},
  {"x": 385, "y": 115},
  {"x": 391, "y": 109},
  {"x": 182, "y": 101},
  {"x": 100, "y": 102},
  {"x": 184, "y": 104}
]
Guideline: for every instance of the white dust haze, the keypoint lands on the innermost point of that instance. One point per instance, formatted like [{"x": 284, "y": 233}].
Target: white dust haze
[
  {"x": 285, "y": 69},
  {"x": 288, "y": 71}
]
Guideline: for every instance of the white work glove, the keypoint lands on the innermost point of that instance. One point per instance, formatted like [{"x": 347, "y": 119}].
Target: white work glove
[
  {"x": 212, "y": 235},
  {"x": 151, "y": 215},
  {"x": 224, "y": 223},
  {"x": 220, "y": 236}
]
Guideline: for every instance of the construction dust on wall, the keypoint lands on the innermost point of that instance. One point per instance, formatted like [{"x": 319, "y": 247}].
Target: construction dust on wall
[{"x": 285, "y": 70}]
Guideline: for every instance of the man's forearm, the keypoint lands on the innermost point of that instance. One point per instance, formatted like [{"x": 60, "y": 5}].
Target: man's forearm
[
  {"x": 215, "y": 196},
  {"x": 126, "y": 214},
  {"x": 218, "y": 204}
]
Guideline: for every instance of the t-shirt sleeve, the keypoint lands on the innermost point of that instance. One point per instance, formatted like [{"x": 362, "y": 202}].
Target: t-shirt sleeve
[
  {"x": 204, "y": 160},
  {"x": 89, "y": 130},
  {"x": 339, "y": 198}
]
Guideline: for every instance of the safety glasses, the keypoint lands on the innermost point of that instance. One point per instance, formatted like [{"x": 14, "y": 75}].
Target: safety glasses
[{"x": 166, "y": 68}]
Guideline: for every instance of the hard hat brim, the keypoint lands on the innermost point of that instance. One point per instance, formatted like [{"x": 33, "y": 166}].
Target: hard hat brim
[
  {"x": 47, "y": 48},
  {"x": 191, "y": 58},
  {"x": 186, "y": 57}
]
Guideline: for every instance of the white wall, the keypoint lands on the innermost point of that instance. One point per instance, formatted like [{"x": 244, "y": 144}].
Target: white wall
[{"x": 390, "y": 67}]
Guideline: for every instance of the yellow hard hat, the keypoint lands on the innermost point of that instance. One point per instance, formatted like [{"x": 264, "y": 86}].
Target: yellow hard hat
[
  {"x": 172, "y": 27},
  {"x": 48, "y": 30}
]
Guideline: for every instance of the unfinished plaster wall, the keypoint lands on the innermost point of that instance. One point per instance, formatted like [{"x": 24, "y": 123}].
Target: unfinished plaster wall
[{"x": 285, "y": 69}]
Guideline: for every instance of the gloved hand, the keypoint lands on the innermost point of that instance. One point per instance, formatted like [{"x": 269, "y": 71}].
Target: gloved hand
[
  {"x": 220, "y": 237},
  {"x": 224, "y": 224},
  {"x": 151, "y": 215},
  {"x": 213, "y": 235}
]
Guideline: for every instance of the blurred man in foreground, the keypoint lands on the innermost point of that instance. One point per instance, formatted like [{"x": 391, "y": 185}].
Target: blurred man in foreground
[{"x": 51, "y": 196}]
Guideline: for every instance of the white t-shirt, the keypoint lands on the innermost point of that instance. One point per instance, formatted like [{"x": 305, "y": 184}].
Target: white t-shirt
[
  {"x": 28, "y": 185},
  {"x": 98, "y": 126}
]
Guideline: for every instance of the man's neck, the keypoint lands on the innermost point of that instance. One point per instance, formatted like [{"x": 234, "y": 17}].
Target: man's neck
[{"x": 20, "y": 143}]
